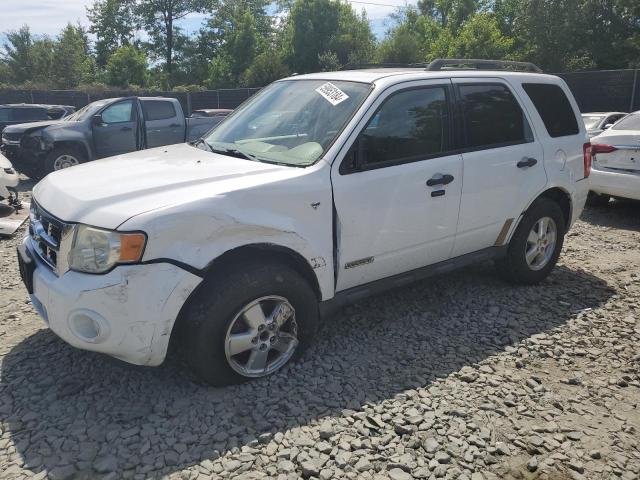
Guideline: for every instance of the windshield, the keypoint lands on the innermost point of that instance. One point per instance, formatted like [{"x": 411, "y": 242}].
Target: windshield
[
  {"x": 592, "y": 121},
  {"x": 291, "y": 122},
  {"x": 85, "y": 112}
]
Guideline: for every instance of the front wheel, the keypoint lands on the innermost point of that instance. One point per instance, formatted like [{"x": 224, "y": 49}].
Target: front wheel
[
  {"x": 536, "y": 244},
  {"x": 249, "y": 323},
  {"x": 63, "y": 157}
]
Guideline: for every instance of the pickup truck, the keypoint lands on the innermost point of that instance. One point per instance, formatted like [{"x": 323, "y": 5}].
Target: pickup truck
[
  {"x": 100, "y": 129},
  {"x": 236, "y": 246}
]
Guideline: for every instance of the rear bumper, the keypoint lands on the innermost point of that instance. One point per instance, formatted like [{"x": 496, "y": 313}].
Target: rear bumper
[
  {"x": 616, "y": 184},
  {"x": 127, "y": 313}
]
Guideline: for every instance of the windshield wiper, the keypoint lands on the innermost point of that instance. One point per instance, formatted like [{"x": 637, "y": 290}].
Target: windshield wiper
[
  {"x": 201, "y": 141},
  {"x": 234, "y": 152}
]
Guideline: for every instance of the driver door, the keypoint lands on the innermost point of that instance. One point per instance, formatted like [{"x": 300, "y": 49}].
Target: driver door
[
  {"x": 397, "y": 205},
  {"x": 117, "y": 133}
]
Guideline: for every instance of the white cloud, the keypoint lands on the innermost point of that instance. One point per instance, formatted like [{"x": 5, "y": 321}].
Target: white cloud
[{"x": 43, "y": 16}]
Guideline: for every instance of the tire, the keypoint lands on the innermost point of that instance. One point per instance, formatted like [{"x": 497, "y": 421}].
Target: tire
[
  {"x": 514, "y": 266},
  {"x": 598, "y": 200},
  {"x": 62, "y": 157},
  {"x": 215, "y": 313}
]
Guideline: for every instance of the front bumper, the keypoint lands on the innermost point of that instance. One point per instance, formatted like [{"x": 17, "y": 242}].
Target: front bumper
[
  {"x": 127, "y": 313},
  {"x": 616, "y": 183}
]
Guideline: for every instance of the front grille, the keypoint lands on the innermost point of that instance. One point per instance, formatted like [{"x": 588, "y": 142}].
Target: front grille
[{"x": 49, "y": 236}]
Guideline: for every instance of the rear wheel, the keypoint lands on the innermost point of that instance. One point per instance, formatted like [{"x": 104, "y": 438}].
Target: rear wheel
[
  {"x": 249, "y": 323},
  {"x": 536, "y": 244},
  {"x": 61, "y": 158}
]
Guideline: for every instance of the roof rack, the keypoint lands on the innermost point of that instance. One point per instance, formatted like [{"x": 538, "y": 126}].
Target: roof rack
[
  {"x": 360, "y": 66},
  {"x": 480, "y": 64}
]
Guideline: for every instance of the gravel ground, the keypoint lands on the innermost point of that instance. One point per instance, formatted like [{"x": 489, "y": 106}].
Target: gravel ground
[{"x": 460, "y": 377}]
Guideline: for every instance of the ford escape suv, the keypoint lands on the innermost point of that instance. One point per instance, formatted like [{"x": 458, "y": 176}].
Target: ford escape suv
[{"x": 235, "y": 246}]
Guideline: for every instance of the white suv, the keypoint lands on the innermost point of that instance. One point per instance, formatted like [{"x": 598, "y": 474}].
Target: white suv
[{"x": 363, "y": 180}]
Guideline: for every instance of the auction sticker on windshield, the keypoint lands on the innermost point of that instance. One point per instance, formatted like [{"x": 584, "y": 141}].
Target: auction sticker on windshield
[{"x": 332, "y": 93}]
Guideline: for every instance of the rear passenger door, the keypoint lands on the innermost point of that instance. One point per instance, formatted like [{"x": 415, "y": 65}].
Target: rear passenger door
[
  {"x": 163, "y": 123},
  {"x": 502, "y": 161}
]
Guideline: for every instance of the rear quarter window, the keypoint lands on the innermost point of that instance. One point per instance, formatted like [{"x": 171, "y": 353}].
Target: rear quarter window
[
  {"x": 630, "y": 122},
  {"x": 158, "y": 110},
  {"x": 554, "y": 108}
]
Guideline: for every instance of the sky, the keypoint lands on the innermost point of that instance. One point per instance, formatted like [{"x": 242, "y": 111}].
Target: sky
[{"x": 49, "y": 16}]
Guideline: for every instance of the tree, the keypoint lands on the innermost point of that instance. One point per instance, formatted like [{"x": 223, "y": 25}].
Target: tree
[
  {"x": 114, "y": 24},
  {"x": 158, "y": 18},
  {"x": 127, "y": 66},
  {"x": 18, "y": 54},
  {"x": 480, "y": 37},
  {"x": 72, "y": 63},
  {"x": 266, "y": 68},
  {"x": 320, "y": 26}
]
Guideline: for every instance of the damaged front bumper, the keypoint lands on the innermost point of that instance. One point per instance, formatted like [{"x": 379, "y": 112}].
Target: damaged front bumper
[{"x": 127, "y": 313}]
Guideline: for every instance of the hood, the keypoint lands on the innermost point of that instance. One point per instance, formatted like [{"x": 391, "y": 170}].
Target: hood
[
  {"x": 23, "y": 127},
  {"x": 105, "y": 193}
]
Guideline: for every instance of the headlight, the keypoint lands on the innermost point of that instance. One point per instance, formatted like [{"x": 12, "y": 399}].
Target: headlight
[{"x": 96, "y": 250}]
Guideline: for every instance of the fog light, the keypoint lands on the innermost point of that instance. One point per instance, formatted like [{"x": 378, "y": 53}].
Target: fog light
[{"x": 88, "y": 326}]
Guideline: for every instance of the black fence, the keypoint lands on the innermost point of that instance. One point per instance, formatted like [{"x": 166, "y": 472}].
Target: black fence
[
  {"x": 604, "y": 90},
  {"x": 226, "y": 98}
]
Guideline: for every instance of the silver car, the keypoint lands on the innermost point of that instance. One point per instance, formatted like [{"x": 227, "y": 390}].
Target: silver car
[{"x": 598, "y": 122}]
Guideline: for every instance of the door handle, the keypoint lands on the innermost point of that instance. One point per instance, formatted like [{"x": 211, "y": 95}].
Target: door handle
[
  {"x": 439, "y": 179},
  {"x": 126, "y": 129},
  {"x": 437, "y": 193},
  {"x": 174, "y": 125},
  {"x": 526, "y": 162}
]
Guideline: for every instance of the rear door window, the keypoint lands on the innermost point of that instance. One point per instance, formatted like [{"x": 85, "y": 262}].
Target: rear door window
[
  {"x": 554, "y": 108},
  {"x": 158, "y": 110},
  {"x": 492, "y": 116}
]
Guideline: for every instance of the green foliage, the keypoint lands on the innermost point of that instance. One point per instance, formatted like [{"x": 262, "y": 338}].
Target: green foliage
[
  {"x": 18, "y": 54},
  {"x": 480, "y": 37},
  {"x": 114, "y": 24},
  {"x": 240, "y": 44},
  {"x": 266, "y": 68},
  {"x": 320, "y": 26},
  {"x": 127, "y": 66},
  {"x": 71, "y": 62},
  {"x": 158, "y": 18}
]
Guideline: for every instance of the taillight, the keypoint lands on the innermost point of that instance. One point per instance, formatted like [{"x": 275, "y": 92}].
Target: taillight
[
  {"x": 587, "y": 152},
  {"x": 601, "y": 148}
]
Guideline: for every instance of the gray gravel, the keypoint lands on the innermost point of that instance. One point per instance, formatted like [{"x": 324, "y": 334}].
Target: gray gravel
[{"x": 459, "y": 377}]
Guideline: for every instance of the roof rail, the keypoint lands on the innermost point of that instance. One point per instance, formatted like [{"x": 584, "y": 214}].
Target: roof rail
[
  {"x": 360, "y": 66},
  {"x": 480, "y": 64}
]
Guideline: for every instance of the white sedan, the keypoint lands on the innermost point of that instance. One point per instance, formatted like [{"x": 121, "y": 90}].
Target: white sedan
[{"x": 616, "y": 161}]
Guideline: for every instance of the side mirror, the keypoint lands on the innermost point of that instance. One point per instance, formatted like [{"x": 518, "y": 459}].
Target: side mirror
[
  {"x": 608, "y": 125},
  {"x": 97, "y": 119}
]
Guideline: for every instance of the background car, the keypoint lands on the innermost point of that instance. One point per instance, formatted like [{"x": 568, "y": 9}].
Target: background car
[
  {"x": 9, "y": 180},
  {"x": 616, "y": 161},
  {"x": 12, "y": 114},
  {"x": 597, "y": 122}
]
